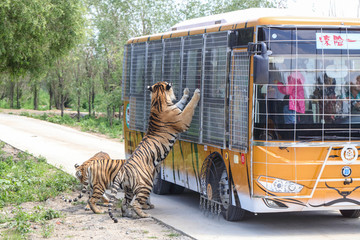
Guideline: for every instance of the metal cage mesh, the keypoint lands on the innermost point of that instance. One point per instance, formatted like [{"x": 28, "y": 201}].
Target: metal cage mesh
[{"x": 239, "y": 101}]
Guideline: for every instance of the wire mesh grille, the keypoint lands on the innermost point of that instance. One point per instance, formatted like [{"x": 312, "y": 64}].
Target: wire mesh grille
[
  {"x": 153, "y": 72},
  {"x": 313, "y": 92},
  {"x": 199, "y": 61},
  {"x": 137, "y": 82},
  {"x": 126, "y": 73},
  {"x": 239, "y": 101},
  {"x": 192, "y": 72},
  {"x": 172, "y": 64},
  {"x": 214, "y": 89}
]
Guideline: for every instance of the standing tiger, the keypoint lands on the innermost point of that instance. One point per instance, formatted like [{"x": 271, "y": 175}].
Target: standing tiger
[
  {"x": 98, "y": 173},
  {"x": 166, "y": 121}
]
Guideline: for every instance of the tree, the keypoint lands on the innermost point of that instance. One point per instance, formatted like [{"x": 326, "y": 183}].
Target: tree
[{"x": 34, "y": 33}]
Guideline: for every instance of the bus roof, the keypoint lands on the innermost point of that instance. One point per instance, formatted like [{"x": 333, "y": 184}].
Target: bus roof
[{"x": 246, "y": 18}]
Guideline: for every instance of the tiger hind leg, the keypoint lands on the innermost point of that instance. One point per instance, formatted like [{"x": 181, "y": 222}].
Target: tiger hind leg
[
  {"x": 140, "y": 200},
  {"x": 95, "y": 197},
  {"x": 126, "y": 209},
  {"x": 148, "y": 205}
]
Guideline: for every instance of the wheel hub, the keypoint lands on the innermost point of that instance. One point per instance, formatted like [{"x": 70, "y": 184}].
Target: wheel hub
[
  {"x": 209, "y": 191},
  {"x": 224, "y": 189}
]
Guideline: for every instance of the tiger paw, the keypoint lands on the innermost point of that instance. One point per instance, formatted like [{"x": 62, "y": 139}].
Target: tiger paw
[
  {"x": 197, "y": 94},
  {"x": 147, "y": 206},
  {"x": 186, "y": 92}
]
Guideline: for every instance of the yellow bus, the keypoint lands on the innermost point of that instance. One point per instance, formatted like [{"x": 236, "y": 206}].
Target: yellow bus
[{"x": 277, "y": 128}]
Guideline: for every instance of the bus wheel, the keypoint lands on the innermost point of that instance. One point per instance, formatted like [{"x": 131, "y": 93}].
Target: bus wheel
[
  {"x": 350, "y": 213},
  {"x": 218, "y": 189},
  {"x": 161, "y": 187},
  {"x": 229, "y": 211}
]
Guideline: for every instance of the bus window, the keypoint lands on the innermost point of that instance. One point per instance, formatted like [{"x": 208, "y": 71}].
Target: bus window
[
  {"x": 214, "y": 95},
  {"x": 322, "y": 102},
  {"x": 172, "y": 64},
  {"x": 126, "y": 72},
  {"x": 192, "y": 68},
  {"x": 153, "y": 72},
  {"x": 137, "y": 96}
]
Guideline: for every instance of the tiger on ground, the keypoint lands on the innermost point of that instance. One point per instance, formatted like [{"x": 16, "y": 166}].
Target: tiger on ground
[
  {"x": 166, "y": 121},
  {"x": 98, "y": 174}
]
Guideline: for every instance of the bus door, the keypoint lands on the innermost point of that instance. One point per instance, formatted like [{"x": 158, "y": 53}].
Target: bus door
[{"x": 239, "y": 117}]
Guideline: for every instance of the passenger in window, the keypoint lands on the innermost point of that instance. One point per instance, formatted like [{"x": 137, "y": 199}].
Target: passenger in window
[
  {"x": 328, "y": 107},
  {"x": 294, "y": 91},
  {"x": 355, "y": 95}
]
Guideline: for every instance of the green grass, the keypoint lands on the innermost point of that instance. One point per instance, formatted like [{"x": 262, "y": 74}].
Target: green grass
[
  {"x": 28, "y": 179},
  {"x": 24, "y": 178},
  {"x": 19, "y": 224},
  {"x": 86, "y": 124}
]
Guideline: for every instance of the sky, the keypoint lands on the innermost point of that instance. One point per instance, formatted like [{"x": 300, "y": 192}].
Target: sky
[{"x": 342, "y": 8}]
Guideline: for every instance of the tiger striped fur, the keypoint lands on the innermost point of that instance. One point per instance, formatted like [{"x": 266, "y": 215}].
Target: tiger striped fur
[
  {"x": 98, "y": 174},
  {"x": 166, "y": 121}
]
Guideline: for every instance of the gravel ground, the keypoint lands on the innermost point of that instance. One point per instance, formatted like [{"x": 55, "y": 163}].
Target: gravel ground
[{"x": 76, "y": 223}]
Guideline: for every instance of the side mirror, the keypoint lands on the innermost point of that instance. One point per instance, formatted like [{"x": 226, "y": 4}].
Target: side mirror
[{"x": 261, "y": 65}]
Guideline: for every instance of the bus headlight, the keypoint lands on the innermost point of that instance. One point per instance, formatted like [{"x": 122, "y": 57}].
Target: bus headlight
[{"x": 279, "y": 185}]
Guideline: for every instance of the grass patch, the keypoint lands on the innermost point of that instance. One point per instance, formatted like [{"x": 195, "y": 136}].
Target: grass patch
[
  {"x": 20, "y": 221},
  {"x": 24, "y": 178},
  {"x": 171, "y": 235}
]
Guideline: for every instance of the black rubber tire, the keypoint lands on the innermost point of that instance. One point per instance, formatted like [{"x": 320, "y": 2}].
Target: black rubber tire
[
  {"x": 350, "y": 213},
  {"x": 161, "y": 187},
  {"x": 176, "y": 189},
  {"x": 234, "y": 214},
  {"x": 230, "y": 213}
]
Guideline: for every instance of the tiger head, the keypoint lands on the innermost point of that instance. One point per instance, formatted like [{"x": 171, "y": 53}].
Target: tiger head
[
  {"x": 161, "y": 94},
  {"x": 80, "y": 173}
]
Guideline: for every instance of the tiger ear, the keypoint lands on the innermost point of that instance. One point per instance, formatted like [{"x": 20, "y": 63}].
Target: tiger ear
[
  {"x": 150, "y": 88},
  {"x": 168, "y": 86},
  {"x": 76, "y": 165}
]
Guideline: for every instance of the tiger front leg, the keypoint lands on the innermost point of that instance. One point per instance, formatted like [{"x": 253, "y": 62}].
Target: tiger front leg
[
  {"x": 181, "y": 104},
  {"x": 187, "y": 115}
]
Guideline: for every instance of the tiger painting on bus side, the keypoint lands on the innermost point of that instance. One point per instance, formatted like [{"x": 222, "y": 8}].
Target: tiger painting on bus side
[{"x": 166, "y": 121}]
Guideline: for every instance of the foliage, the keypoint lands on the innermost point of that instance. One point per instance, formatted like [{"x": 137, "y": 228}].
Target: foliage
[
  {"x": 87, "y": 74},
  {"x": 25, "y": 179},
  {"x": 35, "y": 32},
  {"x": 21, "y": 220}
]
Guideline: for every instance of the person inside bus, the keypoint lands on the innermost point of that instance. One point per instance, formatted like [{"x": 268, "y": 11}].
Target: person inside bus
[
  {"x": 294, "y": 91},
  {"x": 326, "y": 90},
  {"x": 354, "y": 95}
]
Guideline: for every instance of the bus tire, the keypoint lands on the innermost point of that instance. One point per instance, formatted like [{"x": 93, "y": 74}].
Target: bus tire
[
  {"x": 350, "y": 213},
  {"x": 218, "y": 189},
  {"x": 176, "y": 189},
  {"x": 160, "y": 186}
]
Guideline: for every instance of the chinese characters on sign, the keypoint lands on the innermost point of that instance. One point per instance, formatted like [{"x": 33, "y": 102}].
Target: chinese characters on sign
[{"x": 337, "y": 41}]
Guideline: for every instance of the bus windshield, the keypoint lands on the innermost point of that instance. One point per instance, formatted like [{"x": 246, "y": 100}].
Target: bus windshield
[{"x": 313, "y": 93}]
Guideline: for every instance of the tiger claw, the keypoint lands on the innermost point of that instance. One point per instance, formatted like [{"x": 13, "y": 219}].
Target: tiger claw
[{"x": 186, "y": 91}]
